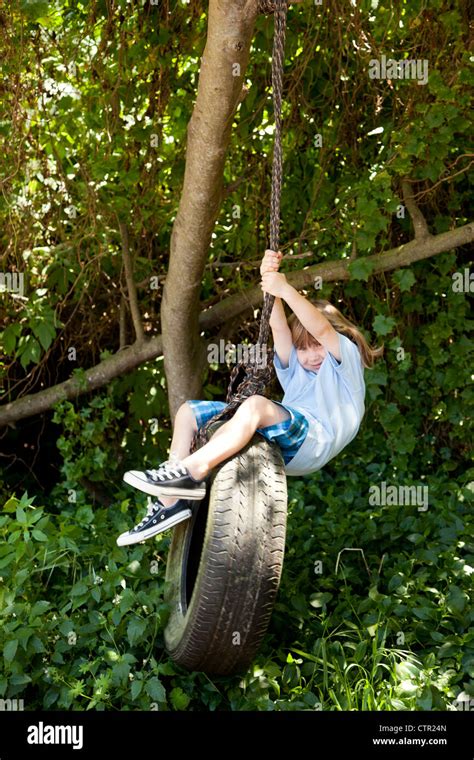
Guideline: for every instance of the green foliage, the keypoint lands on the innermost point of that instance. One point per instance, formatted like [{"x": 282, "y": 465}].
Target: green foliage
[
  {"x": 389, "y": 629},
  {"x": 106, "y": 143},
  {"x": 82, "y": 620},
  {"x": 88, "y": 445},
  {"x": 109, "y": 433}
]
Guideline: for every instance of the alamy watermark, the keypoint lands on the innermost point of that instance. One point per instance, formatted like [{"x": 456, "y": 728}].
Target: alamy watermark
[
  {"x": 225, "y": 353},
  {"x": 464, "y": 702},
  {"x": 12, "y": 282},
  {"x": 463, "y": 282},
  {"x": 392, "y": 495},
  {"x": 46, "y": 734},
  {"x": 389, "y": 68},
  {"x": 11, "y": 705}
]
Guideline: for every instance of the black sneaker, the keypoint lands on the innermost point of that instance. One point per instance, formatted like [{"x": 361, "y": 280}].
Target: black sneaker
[
  {"x": 157, "y": 519},
  {"x": 170, "y": 479}
]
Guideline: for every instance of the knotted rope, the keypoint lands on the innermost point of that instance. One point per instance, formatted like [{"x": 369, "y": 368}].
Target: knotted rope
[{"x": 251, "y": 377}]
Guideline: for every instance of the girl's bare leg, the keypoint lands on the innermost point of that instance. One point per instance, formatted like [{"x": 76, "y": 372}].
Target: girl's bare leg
[
  {"x": 256, "y": 411},
  {"x": 184, "y": 428}
]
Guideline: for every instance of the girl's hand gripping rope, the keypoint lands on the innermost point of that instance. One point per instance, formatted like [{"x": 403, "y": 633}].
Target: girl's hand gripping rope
[{"x": 271, "y": 261}]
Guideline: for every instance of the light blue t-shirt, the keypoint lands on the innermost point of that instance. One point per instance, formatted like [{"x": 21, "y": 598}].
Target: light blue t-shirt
[{"x": 331, "y": 399}]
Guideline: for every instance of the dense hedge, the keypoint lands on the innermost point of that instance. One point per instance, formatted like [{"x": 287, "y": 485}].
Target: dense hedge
[{"x": 82, "y": 619}]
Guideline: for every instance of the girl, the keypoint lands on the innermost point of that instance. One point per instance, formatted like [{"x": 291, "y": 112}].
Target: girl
[{"x": 319, "y": 360}]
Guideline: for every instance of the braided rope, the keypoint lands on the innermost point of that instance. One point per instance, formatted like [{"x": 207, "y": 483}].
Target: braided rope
[
  {"x": 250, "y": 377},
  {"x": 266, "y": 6}
]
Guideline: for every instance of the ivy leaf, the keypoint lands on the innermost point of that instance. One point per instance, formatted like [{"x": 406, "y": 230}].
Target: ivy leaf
[
  {"x": 9, "y": 336},
  {"x": 434, "y": 118},
  {"x": 319, "y": 599},
  {"x": 136, "y": 629},
  {"x": 156, "y": 690},
  {"x": 11, "y": 505},
  {"x": 9, "y": 650},
  {"x": 79, "y": 588},
  {"x": 120, "y": 673},
  {"x": 404, "y": 279},
  {"x": 30, "y": 351},
  {"x": 137, "y": 686},
  {"x": 45, "y": 333},
  {"x": 456, "y": 600},
  {"x": 360, "y": 269},
  {"x": 39, "y": 608},
  {"x": 383, "y": 325},
  {"x": 179, "y": 699},
  {"x": 39, "y": 535},
  {"x": 50, "y": 698}
]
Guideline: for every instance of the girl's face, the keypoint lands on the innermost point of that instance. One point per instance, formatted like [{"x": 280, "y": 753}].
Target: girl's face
[{"x": 311, "y": 357}]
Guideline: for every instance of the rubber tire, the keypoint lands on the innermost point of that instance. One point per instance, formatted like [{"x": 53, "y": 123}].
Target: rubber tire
[{"x": 224, "y": 564}]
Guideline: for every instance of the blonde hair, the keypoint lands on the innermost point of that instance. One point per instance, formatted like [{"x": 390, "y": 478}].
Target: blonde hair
[{"x": 303, "y": 339}]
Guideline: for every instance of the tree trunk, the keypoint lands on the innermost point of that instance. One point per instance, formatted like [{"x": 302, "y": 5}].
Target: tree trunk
[{"x": 223, "y": 66}]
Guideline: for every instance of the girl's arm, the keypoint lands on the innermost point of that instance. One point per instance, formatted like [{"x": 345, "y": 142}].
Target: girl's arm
[
  {"x": 282, "y": 338},
  {"x": 312, "y": 319},
  {"x": 281, "y": 332}
]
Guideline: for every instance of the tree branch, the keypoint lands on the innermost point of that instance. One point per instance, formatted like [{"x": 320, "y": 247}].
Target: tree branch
[
  {"x": 334, "y": 271},
  {"x": 419, "y": 222},
  {"x": 95, "y": 377},
  {"x": 237, "y": 304},
  {"x": 122, "y": 323},
  {"x": 132, "y": 291}
]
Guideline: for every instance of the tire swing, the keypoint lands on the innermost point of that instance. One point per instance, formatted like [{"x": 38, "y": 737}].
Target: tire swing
[{"x": 224, "y": 563}]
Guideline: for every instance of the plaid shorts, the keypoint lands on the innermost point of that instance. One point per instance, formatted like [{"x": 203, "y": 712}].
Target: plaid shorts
[{"x": 289, "y": 434}]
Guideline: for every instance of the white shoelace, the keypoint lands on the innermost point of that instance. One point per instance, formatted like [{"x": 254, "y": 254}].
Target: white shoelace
[
  {"x": 151, "y": 508},
  {"x": 169, "y": 469}
]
